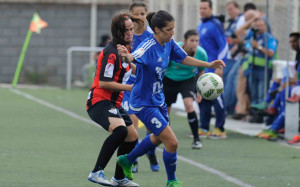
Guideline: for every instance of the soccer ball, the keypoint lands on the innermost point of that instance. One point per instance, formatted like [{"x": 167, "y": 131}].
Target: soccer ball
[{"x": 210, "y": 86}]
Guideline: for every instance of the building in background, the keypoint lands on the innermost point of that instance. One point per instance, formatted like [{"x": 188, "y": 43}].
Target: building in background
[{"x": 70, "y": 24}]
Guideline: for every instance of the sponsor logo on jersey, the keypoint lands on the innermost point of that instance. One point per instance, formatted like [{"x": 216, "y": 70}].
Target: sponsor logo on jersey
[{"x": 109, "y": 70}]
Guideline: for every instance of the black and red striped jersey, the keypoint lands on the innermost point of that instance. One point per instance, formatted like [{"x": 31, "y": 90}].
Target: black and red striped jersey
[{"x": 109, "y": 68}]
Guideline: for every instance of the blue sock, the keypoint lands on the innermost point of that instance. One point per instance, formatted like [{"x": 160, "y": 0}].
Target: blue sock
[
  {"x": 143, "y": 147},
  {"x": 151, "y": 151},
  {"x": 170, "y": 160},
  {"x": 137, "y": 143},
  {"x": 274, "y": 86}
]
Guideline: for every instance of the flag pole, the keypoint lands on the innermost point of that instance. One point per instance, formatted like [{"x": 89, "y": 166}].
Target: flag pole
[
  {"x": 21, "y": 59},
  {"x": 36, "y": 25}
]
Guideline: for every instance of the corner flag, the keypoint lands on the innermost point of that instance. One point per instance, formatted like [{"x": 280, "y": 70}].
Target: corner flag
[{"x": 36, "y": 25}]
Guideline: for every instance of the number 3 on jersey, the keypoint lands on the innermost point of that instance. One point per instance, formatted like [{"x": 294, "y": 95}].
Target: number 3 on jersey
[{"x": 156, "y": 122}]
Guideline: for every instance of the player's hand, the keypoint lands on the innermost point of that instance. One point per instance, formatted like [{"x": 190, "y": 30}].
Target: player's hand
[
  {"x": 122, "y": 50},
  {"x": 217, "y": 64}
]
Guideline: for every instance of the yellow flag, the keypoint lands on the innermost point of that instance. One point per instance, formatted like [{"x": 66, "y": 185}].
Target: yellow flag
[{"x": 37, "y": 24}]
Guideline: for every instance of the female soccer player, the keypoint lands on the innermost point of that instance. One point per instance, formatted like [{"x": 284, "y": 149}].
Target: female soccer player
[
  {"x": 140, "y": 32},
  {"x": 181, "y": 79},
  {"x": 104, "y": 103},
  {"x": 147, "y": 98}
]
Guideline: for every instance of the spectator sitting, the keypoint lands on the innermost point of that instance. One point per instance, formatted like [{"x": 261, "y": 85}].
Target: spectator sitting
[{"x": 279, "y": 102}]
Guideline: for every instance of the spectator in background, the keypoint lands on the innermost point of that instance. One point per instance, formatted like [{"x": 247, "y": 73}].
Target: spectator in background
[
  {"x": 181, "y": 79},
  {"x": 105, "y": 39},
  {"x": 213, "y": 40},
  {"x": 295, "y": 45},
  {"x": 237, "y": 19},
  {"x": 255, "y": 65},
  {"x": 252, "y": 7},
  {"x": 242, "y": 107}
]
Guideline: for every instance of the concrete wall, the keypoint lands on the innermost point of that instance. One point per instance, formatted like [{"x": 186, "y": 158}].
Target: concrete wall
[{"x": 45, "y": 61}]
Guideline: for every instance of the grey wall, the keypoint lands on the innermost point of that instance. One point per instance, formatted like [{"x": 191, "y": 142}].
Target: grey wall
[{"x": 45, "y": 61}]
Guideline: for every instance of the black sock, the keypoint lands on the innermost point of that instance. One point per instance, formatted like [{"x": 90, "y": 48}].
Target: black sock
[
  {"x": 193, "y": 121},
  {"x": 109, "y": 146},
  {"x": 124, "y": 148}
]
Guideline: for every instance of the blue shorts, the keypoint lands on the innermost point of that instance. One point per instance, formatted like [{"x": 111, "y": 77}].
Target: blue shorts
[
  {"x": 125, "y": 102},
  {"x": 155, "y": 119}
]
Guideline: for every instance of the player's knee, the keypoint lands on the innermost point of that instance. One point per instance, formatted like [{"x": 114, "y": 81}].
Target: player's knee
[
  {"x": 173, "y": 144},
  {"x": 132, "y": 135},
  {"x": 121, "y": 131}
]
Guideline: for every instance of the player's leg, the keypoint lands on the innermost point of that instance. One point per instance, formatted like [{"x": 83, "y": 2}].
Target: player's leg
[
  {"x": 171, "y": 90},
  {"x": 188, "y": 92},
  {"x": 205, "y": 115},
  {"x": 219, "y": 131},
  {"x": 128, "y": 145},
  {"x": 109, "y": 117},
  {"x": 134, "y": 119}
]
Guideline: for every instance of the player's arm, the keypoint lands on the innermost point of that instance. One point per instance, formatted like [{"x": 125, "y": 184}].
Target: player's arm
[
  {"x": 262, "y": 49},
  {"x": 190, "y": 61},
  {"x": 123, "y": 52},
  {"x": 107, "y": 74},
  {"x": 114, "y": 86}
]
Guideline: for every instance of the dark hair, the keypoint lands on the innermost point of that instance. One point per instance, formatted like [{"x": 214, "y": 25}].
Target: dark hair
[
  {"x": 159, "y": 19},
  {"x": 236, "y": 5},
  {"x": 137, "y": 4},
  {"x": 207, "y": 1},
  {"x": 296, "y": 35},
  {"x": 104, "y": 38},
  {"x": 249, "y": 6},
  {"x": 118, "y": 27},
  {"x": 189, "y": 33}
]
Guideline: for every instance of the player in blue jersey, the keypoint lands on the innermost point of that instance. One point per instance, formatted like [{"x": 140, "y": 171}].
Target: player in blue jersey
[
  {"x": 147, "y": 99},
  {"x": 140, "y": 32}
]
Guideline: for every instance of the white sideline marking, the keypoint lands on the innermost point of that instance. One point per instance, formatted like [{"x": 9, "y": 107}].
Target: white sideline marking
[
  {"x": 57, "y": 108},
  {"x": 182, "y": 158}
]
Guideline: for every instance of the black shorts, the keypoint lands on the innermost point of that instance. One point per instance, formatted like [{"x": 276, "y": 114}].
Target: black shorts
[
  {"x": 104, "y": 109},
  {"x": 187, "y": 88}
]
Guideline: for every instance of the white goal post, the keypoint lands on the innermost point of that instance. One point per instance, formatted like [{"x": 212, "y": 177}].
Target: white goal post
[{"x": 69, "y": 61}]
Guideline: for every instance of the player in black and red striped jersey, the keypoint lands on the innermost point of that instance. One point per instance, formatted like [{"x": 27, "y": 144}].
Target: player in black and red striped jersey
[{"x": 104, "y": 102}]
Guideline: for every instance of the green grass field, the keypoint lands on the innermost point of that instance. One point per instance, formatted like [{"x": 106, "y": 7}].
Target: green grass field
[{"x": 41, "y": 146}]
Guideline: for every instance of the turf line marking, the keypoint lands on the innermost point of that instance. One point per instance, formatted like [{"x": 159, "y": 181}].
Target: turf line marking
[
  {"x": 52, "y": 106},
  {"x": 182, "y": 158}
]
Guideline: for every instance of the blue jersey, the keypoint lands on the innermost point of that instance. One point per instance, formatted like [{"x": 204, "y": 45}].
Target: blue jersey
[
  {"x": 137, "y": 39},
  {"x": 152, "y": 60},
  {"x": 213, "y": 40}
]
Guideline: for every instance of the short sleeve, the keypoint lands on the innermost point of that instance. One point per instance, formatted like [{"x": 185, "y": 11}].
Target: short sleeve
[
  {"x": 140, "y": 56},
  {"x": 177, "y": 53},
  {"x": 108, "y": 66}
]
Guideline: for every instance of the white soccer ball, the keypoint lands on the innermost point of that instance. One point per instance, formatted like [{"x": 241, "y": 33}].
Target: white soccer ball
[{"x": 210, "y": 86}]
